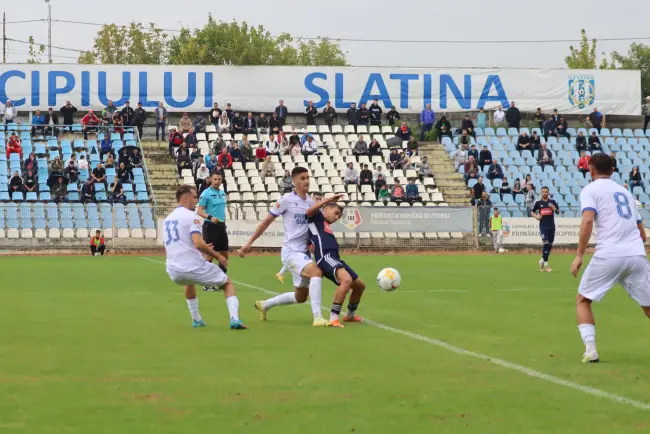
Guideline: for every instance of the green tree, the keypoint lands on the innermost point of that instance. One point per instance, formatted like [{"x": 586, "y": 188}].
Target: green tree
[
  {"x": 638, "y": 57},
  {"x": 34, "y": 51},
  {"x": 583, "y": 57},
  {"x": 232, "y": 43},
  {"x": 128, "y": 45}
]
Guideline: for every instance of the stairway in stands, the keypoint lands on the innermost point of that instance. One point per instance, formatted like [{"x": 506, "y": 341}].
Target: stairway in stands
[
  {"x": 162, "y": 172},
  {"x": 449, "y": 182}
]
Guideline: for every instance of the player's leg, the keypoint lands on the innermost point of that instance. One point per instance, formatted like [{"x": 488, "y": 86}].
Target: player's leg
[
  {"x": 221, "y": 244},
  {"x": 315, "y": 275},
  {"x": 280, "y": 275},
  {"x": 545, "y": 251},
  {"x": 358, "y": 287},
  {"x": 294, "y": 262},
  {"x": 499, "y": 240},
  {"x": 494, "y": 241},
  {"x": 637, "y": 282},
  {"x": 93, "y": 250},
  {"x": 193, "y": 306},
  {"x": 208, "y": 236},
  {"x": 343, "y": 281},
  {"x": 212, "y": 275},
  {"x": 550, "y": 238}
]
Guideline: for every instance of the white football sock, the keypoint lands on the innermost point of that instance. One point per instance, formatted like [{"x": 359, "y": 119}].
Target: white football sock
[
  {"x": 588, "y": 334},
  {"x": 282, "y": 270},
  {"x": 546, "y": 263},
  {"x": 193, "y": 306},
  {"x": 316, "y": 295},
  {"x": 280, "y": 300},
  {"x": 233, "y": 307}
]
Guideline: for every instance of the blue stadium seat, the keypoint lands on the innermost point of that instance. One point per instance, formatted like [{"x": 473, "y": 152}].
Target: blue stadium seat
[
  {"x": 501, "y": 132},
  {"x": 31, "y": 196},
  {"x": 489, "y": 131},
  {"x": 627, "y": 132},
  {"x": 616, "y": 132},
  {"x": 17, "y": 196}
]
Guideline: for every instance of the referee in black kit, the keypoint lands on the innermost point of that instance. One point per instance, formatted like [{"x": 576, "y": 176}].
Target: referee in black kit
[{"x": 212, "y": 207}]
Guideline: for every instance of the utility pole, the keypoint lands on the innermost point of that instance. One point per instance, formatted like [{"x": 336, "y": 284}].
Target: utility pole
[
  {"x": 49, "y": 30},
  {"x": 4, "y": 38}
]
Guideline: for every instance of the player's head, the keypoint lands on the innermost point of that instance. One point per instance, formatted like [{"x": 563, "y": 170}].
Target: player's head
[
  {"x": 215, "y": 181},
  {"x": 601, "y": 165},
  {"x": 186, "y": 196},
  {"x": 316, "y": 196},
  {"x": 545, "y": 192},
  {"x": 300, "y": 179},
  {"x": 332, "y": 212}
]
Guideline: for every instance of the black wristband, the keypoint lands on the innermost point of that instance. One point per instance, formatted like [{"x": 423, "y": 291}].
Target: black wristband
[{"x": 209, "y": 217}]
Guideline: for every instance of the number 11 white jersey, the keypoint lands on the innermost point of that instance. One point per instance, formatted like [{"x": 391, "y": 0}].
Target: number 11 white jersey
[
  {"x": 616, "y": 231},
  {"x": 177, "y": 236}
]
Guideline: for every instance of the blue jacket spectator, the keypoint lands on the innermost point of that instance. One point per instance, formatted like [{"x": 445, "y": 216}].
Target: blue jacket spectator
[
  {"x": 105, "y": 147},
  {"x": 495, "y": 171},
  {"x": 38, "y": 118},
  {"x": 427, "y": 119},
  {"x": 481, "y": 119},
  {"x": 236, "y": 154}
]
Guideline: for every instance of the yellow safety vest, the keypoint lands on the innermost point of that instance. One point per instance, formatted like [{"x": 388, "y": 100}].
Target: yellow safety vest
[{"x": 495, "y": 223}]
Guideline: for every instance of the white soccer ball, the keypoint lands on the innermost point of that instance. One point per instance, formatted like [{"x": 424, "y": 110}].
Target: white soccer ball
[
  {"x": 388, "y": 279},
  {"x": 502, "y": 250}
]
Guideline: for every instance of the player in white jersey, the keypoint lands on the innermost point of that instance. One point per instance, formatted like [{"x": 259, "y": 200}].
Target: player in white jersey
[
  {"x": 307, "y": 277},
  {"x": 620, "y": 252},
  {"x": 185, "y": 263}
]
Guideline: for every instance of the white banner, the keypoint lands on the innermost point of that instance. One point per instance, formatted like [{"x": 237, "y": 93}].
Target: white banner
[
  {"x": 258, "y": 88},
  {"x": 525, "y": 231}
]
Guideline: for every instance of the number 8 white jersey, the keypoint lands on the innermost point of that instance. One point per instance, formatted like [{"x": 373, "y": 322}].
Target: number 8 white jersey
[
  {"x": 616, "y": 231},
  {"x": 177, "y": 233}
]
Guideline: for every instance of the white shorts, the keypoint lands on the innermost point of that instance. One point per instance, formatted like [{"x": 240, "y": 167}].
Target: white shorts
[
  {"x": 208, "y": 274},
  {"x": 631, "y": 272},
  {"x": 294, "y": 263}
]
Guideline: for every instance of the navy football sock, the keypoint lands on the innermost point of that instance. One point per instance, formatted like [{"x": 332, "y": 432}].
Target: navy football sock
[{"x": 546, "y": 250}]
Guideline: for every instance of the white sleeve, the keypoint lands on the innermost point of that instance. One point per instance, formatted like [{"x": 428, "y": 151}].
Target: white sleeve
[
  {"x": 587, "y": 201},
  {"x": 193, "y": 223},
  {"x": 279, "y": 207},
  {"x": 639, "y": 219}
]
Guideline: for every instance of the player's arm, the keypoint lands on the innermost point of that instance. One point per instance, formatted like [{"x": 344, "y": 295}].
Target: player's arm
[
  {"x": 533, "y": 212},
  {"x": 259, "y": 230},
  {"x": 318, "y": 205},
  {"x": 206, "y": 249},
  {"x": 639, "y": 224},
  {"x": 556, "y": 208},
  {"x": 200, "y": 210}
]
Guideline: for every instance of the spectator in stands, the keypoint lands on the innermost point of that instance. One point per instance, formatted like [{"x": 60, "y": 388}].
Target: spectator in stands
[
  {"x": 380, "y": 183},
  {"x": 392, "y": 116},
  {"x": 124, "y": 158},
  {"x": 275, "y": 124},
  {"x": 160, "y": 114},
  {"x": 268, "y": 168},
  {"x": 465, "y": 138},
  {"x": 473, "y": 152},
  {"x": 105, "y": 147},
  {"x": 581, "y": 142},
  {"x": 125, "y": 175},
  {"x": 412, "y": 192},
  {"x": 182, "y": 162},
  {"x": 531, "y": 197},
  {"x": 505, "y": 188},
  {"x": 544, "y": 156},
  {"x": 83, "y": 163},
  {"x": 16, "y": 183},
  {"x": 285, "y": 147},
  {"x": 202, "y": 174},
  {"x": 403, "y": 132},
  {"x": 460, "y": 156},
  {"x": 30, "y": 163},
  {"x": 443, "y": 128},
  {"x": 136, "y": 158},
  {"x": 184, "y": 124},
  {"x": 516, "y": 188},
  {"x": 528, "y": 181},
  {"x": 199, "y": 124},
  {"x": 495, "y": 171},
  {"x": 394, "y": 160},
  {"x": 535, "y": 141},
  {"x": 296, "y": 149},
  {"x": 272, "y": 146},
  {"x": 412, "y": 147},
  {"x": 477, "y": 190},
  {"x": 89, "y": 123},
  {"x": 247, "y": 150},
  {"x": 550, "y": 128},
  {"x": 117, "y": 125},
  {"x": 30, "y": 182},
  {"x": 614, "y": 162},
  {"x": 214, "y": 114},
  {"x": 583, "y": 163},
  {"x": 425, "y": 169},
  {"x": 594, "y": 143},
  {"x": 485, "y": 157},
  {"x": 237, "y": 123},
  {"x": 88, "y": 191},
  {"x": 304, "y": 137},
  {"x": 224, "y": 125},
  {"x": 97, "y": 246},
  {"x": 68, "y": 111},
  {"x": 363, "y": 115},
  {"x": 218, "y": 144},
  {"x": 128, "y": 115},
  {"x": 72, "y": 171},
  {"x": 378, "y": 170},
  {"x": 365, "y": 177},
  {"x": 538, "y": 118},
  {"x": 229, "y": 111},
  {"x": 360, "y": 148},
  {"x": 375, "y": 113},
  {"x": 481, "y": 119},
  {"x": 99, "y": 174},
  {"x": 236, "y": 154},
  {"x": 468, "y": 125},
  {"x": 260, "y": 153},
  {"x": 353, "y": 116},
  {"x": 513, "y": 117},
  {"x": 72, "y": 160},
  {"x": 383, "y": 194},
  {"x": 117, "y": 193},
  {"x": 471, "y": 169},
  {"x": 562, "y": 128},
  {"x": 374, "y": 148},
  {"x": 107, "y": 113},
  {"x": 282, "y": 113},
  {"x": 329, "y": 114},
  {"x": 596, "y": 119},
  {"x": 427, "y": 119},
  {"x": 59, "y": 191},
  {"x": 195, "y": 156},
  {"x": 310, "y": 113},
  {"x": 250, "y": 124},
  {"x": 646, "y": 113},
  {"x": 10, "y": 112},
  {"x": 110, "y": 161},
  {"x": 555, "y": 115},
  {"x": 51, "y": 120},
  {"x": 397, "y": 193},
  {"x": 176, "y": 139},
  {"x": 38, "y": 123},
  {"x": 407, "y": 161},
  {"x": 262, "y": 124},
  {"x": 499, "y": 116},
  {"x": 484, "y": 203},
  {"x": 56, "y": 165},
  {"x": 211, "y": 160},
  {"x": 351, "y": 175},
  {"x": 635, "y": 178},
  {"x": 310, "y": 147},
  {"x": 287, "y": 183},
  {"x": 523, "y": 142}
]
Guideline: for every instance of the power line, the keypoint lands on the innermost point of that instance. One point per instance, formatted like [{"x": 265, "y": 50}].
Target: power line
[
  {"x": 26, "y": 21},
  {"x": 53, "y": 46},
  {"x": 59, "y": 56}
]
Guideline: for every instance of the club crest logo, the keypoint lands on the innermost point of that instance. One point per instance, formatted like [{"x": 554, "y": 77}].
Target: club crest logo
[
  {"x": 582, "y": 90},
  {"x": 351, "y": 218}
]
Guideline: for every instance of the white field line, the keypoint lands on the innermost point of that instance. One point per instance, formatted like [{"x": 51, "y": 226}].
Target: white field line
[{"x": 493, "y": 360}]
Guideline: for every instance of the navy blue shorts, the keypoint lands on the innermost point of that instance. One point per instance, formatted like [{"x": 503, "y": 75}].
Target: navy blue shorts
[
  {"x": 330, "y": 263},
  {"x": 548, "y": 235}
]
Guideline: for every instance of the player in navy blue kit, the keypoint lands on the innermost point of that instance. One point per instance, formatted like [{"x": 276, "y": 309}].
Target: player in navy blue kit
[
  {"x": 544, "y": 211},
  {"x": 326, "y": 252}
]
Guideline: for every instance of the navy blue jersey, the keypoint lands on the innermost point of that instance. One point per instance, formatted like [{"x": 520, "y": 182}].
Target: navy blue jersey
[
  {"x": 548, "y": 215},
  {"x": 322, "y": 236}
]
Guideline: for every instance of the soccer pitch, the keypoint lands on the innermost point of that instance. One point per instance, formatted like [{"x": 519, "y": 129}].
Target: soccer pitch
[{"x": 467, "y": 344}]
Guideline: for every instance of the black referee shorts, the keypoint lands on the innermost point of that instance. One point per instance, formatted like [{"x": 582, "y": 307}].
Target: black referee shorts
[{"x": 216, "y": 235}]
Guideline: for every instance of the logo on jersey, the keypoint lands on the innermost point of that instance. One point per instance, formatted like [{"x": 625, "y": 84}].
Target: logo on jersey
[
  {"x": 197, "y": 222},
  {"x": 546, "y": 211},
  {"x": 582, "y": 90},
  {"x": 277, "y": 204},
  {"x": 351, "y": 218}
]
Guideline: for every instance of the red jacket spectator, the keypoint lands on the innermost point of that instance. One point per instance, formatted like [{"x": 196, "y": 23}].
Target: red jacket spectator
[
  {"x": 176, "y": 138},
  {"x": 583, "y": 163},
  {"x": 260, "y": 153},
  {"x": 225, "y": 159},
  {"x": 13, "y": 146},
  {"x": 90, "y": 119}
]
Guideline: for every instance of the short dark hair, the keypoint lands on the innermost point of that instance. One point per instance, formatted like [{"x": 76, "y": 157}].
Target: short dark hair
[
  {"x": 545, "y": 187},
  {"x": 298, "y": 171},
  {"x": 603, "y": 164},
  {"x": 183, "y": 190},
  {"x": 331, "y": 204},
  {"x": 215, "y": 174}
]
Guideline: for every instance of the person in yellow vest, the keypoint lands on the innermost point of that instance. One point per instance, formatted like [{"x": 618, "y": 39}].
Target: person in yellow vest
[
  {"x": 496, "y": 228},
  {"x": 97, "y": 246}
]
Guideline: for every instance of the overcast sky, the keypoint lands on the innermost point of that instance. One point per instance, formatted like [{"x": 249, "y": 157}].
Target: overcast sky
[{"x": 377, "y": 19}]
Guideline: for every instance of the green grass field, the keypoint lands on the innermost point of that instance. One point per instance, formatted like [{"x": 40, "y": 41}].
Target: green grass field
[{"x": 104, "y": 345}]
